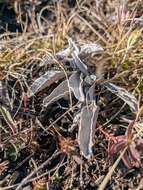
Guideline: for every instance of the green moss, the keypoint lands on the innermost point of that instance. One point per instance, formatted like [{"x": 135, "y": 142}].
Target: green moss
[{"x": 126, "y": 65}]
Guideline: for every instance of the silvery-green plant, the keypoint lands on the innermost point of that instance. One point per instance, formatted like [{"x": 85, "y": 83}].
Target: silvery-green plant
[{"x": 81, "y": 83}]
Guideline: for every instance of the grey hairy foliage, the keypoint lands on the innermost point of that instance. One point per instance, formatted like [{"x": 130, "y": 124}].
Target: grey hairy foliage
[
  {"x": 81, "y": 83},
  {"x": 82, "y": 51},
  {"x": 59, "y": 92},
  {"x": 89, "y": 115},
  {"x": 76, "y": 86},
  {"x": 74, "y": 83},
  {"x": 90, "y": 48},
  {"x": 74, "y": 53},
  {"x": 45, "y": 81},
  {"x": 127, "y": 97}
]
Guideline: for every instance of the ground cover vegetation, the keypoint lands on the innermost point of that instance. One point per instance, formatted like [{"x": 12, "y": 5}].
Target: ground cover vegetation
[{"x": 71, "y": 94}]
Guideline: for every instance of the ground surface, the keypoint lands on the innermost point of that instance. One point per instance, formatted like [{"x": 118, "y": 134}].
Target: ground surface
[{"x": 42, "y": 145}]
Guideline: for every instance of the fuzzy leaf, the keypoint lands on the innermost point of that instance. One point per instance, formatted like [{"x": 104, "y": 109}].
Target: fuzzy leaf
[
  {"x": 76, "y": 85},
  {"x": 90, "y": 93},
  {"x": 62, "y": 90},
  {"x": 80, "y": 65},
  {"x": 127, "y": 97},
  {"x": 45, "y": 81},
  {"x": 75, "y": 52},
  {"x": 73, "y": 46},
  {"x": 90, "y": 48},
  {"x": 59, "y": 92},
  {"x": 89, "y": 115}
]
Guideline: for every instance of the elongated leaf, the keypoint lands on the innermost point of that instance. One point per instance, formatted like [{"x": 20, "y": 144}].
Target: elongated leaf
[
  {"x": 126, "y": 160},
  {"x": 86, "y": 131},
  {"x": 90, "y": 93},
  {"x": 75, "y": 52},
  {"x": 90, "y": 48},
  {"x": 73, "y": 46},
  {"x": 8, "y": 119},
  {"x": 135, "y": 155},
  {"x": 82, "y": 67},
  {"x": 129, "y": 131},
  {"x": 110, "y": 172},
  {"x": 127, "y": 97},
  {"x": 76, "y": 85},
  {"x": 82, "y": 50},
  {"x": 59, "y": 92},
  {"x": 4, "y": 96},
  {"x": 45, "y": 80}
]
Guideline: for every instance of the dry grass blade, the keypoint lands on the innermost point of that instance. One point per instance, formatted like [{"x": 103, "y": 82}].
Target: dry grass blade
[
  {"x": 8, "y": 119},
  {"x": 111, "y": 170},
  {"x": 25, "y": 180},
  {"x": 92, "y": 29}
]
